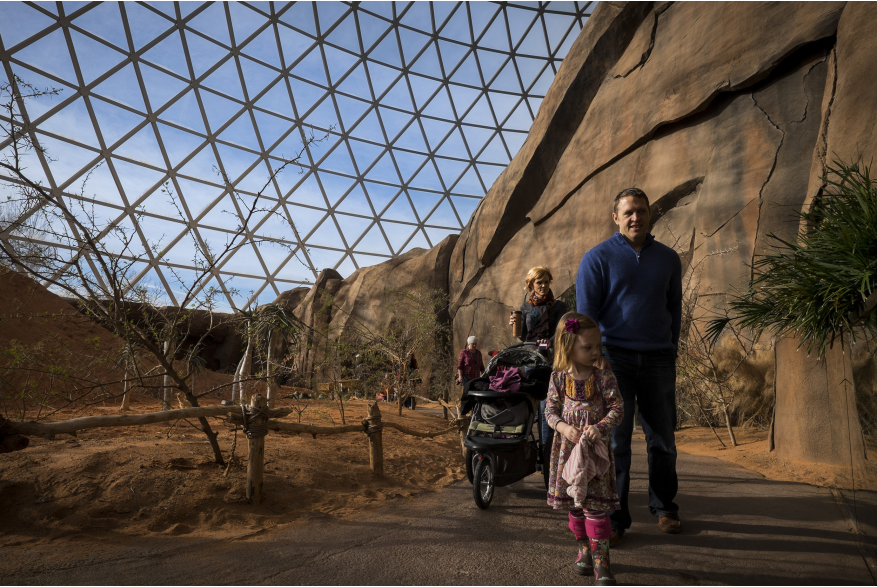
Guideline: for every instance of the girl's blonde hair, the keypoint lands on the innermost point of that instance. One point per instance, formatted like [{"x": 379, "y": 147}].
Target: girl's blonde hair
[
  {"x": 537, "y": 272},
  {"x": 564, "y": 339}
]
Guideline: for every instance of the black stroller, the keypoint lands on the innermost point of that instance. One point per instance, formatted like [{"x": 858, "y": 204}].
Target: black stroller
[{"x": 500, "y": 445}]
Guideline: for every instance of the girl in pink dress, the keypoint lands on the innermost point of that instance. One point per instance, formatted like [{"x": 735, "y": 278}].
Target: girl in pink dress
[{"x": 580, "y": 393}]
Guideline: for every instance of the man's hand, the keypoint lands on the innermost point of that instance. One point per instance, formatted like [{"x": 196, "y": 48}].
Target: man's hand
[
  {"x": 602, "y": 363},
  {"x": 571, "y": 433}
]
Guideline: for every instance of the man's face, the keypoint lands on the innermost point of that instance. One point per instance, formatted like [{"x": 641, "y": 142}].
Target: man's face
[
  {"x": 632, "y": 219},
  {"x": 473, "y": 346}
]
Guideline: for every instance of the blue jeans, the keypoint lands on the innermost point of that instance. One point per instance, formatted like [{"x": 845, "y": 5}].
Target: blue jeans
[{"x": 649, "y": 379}]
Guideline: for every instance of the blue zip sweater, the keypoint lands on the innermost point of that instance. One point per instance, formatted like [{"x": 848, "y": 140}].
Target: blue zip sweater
[{"x": 636, "y": 299}]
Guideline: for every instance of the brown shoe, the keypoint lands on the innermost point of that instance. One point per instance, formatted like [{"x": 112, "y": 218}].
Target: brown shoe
[
  {"x": 670, "y": 523},
  {"x": 615, "y": 538}
]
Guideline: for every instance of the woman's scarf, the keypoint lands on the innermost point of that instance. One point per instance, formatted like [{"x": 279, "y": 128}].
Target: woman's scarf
[{"x": 547, "y": 299}]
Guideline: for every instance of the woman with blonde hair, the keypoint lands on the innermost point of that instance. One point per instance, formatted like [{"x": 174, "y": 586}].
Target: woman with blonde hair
[{"x": 540, "y": 310}]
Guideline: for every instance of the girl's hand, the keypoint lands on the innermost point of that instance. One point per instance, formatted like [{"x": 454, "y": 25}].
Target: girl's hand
[
  {"x": 571, "y": 433},
  {"x": 592, "y": 433}
]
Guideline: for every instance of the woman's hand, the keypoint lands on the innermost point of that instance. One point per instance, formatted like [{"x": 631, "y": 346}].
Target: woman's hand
[
  {"x": 592, "y": 433},
  {"x": 571, "y": 433},
  {"x": 546, "y": 342}
]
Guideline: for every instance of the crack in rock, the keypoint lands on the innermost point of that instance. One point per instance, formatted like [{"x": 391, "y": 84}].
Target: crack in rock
[
  {"x": 773, "y": 167},
  {"x": 648, "y": 52}
]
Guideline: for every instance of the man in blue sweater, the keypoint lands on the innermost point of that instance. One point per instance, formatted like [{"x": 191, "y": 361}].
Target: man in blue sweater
[{"x": 632, "y": 286}]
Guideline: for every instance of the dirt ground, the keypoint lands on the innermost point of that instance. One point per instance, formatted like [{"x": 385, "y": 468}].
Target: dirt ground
[
  {"x": 162, "y": 479},
  {"x": 752, "y": 453}
]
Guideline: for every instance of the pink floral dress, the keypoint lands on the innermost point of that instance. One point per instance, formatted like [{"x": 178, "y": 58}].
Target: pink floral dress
[{"x": 595, "y": 399}]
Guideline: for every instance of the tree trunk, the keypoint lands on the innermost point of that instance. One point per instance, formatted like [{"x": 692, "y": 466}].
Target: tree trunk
[
  {"x": 166, "y": 396},
  {"x": 446, "y": 397},
  {"x": 269, "y": 370},
  {"x": 246, "y": 368},
  {"x": 728, "y": 423},
  {"x": 126, "y": 395},
  {"x": 236, "y": 382},
  {"x": 256, "y": 454},
  {"x": 375, "y": 441}
]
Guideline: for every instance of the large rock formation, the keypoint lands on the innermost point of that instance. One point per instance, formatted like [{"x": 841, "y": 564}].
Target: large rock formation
[{"x": 725, "y": 113}]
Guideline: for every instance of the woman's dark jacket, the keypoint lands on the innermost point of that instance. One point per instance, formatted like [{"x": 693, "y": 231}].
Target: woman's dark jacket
[{"x": 533, "y": 327}]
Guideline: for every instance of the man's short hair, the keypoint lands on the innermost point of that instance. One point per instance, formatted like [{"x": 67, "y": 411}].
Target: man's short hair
[{"x": 629, "y": 193}]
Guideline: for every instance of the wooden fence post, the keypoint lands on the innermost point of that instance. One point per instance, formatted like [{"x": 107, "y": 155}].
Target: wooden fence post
[
  {"x": 255, "y": 426},
  {"x": 375, "y": 439}
]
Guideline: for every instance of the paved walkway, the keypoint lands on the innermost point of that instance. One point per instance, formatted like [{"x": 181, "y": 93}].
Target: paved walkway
[{"x": 739, "y": 529}]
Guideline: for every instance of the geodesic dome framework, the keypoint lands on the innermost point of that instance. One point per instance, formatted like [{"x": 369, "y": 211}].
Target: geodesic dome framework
[{"x": 420, "y": 107}]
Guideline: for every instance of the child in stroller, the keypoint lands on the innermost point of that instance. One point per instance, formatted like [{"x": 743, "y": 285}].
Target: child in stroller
[{"x": 501, "y": 447}]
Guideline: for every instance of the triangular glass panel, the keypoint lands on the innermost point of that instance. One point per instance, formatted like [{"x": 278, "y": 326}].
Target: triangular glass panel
[
  {"x": 423, "y": 202},
  {"x": 364, "y": 153},
  {"x": 480, "y": 112},
  {"x": 346, "y": 268},
  {"x": 477, "y": 137},
  {"x": 334, "y": 186},
  {"x": 308, "y": 192},
  {"x": 496, "y": 36},
  {"x": 383, "y": 9},
  {"x": 241, "y": 133},
  {"x": 400, "y": 210},
  {"x": 427, "y": 178},
  {"x": 418, "y": 241},
  {"x": 463, "y": 97},
  {"x": 74, "y": 123},
  {"x": 494, "y": 152},
  {"x": 178, "y": 144},
  {"x": 324, "y": 116},
  {"x": 203, "y": 53},
  {"x": 387, "y": 51},
  {"x": 519, "y": 20},
  {"x": 398, "y": 96},
  {"x": 50, "y": 54},
  {"x": 294, "y": 44},
  {"x": 218, "y": 109},
  {"x": 469, "y": 184},
  {"x": 351, "y": 110},
  {"x": 257, "y": 77},
  {"x": 339, "y": 62},
  {"x": 520, "y": 119},
  {"x": 514, "y": 141},
  {"x": 310, "y": 67},
  {"x": 326, "y": 235},
  {"x": 169, "y": 55},
  {"x": 167, "y": 8},
  {"x": 408, "y": 163},
  {"x": 101, "y": 186},
  {"x": 160, "y": 87},
  {"x": 338, "y": 160},
  {"x": 142, "y": 147},
  {"x": 212, "y": 22},
  {"x": 257, "y": 181},
  {"x": 441, "y": 11},
  {"x": 104, "y": 21},
  {"x": 436, "y": 131},
  {"x": 202, "y": 166},
  {"x": 136, "y": 180},
  {"x": 535, "y": 103},
  {"x": 373, "y": 242},
  {"x": 344, "y": 35},
  {"x": 437, "y": 235},
  {"x": 235, "y": 161},
  {"x": 69, "y": 161},
  {"x": 277, "y": 100},
  {"x": 440, "y": 106},
  {"x": 507, "y": 80},
  {"x": 20, "y": 22},
  {"x": 244, "y": 21},
  {"x": 398, "y": 234},
  {"x": 534, "y": 43},
  {"x": 226, "y": 80},
  {"x": 370, "y": 29},
  {"x": 305, "y": 219},
  {"x": 457, "y": 28},
  {"x": 323, "y": 258},
  {"x": 198, "y": 196},
  {"x": 185, "y": 112},
  {"x": 450, "y": 169},
  {"x": 114, "y": 122},
  {"x": 369, "y": 128},
  {"x": 418, "y": 16},
  {"x": 467, "y": 73},
  {"x": 411, "y": 139},
  {"x": 452, "y": 54},
  {"x": 567, "y": 43},
  {"x": 557, "y": 26},
  {"x": 244, "y": 261},
  {"x": 40, "y": 105},
  {"x": 423, "y": 89},
  {"x": 123, "y": 87},
  {"x": 329, "y": 13},
  {"x": 149, "y": 24},
  {"x": 355, "y": 84},
  {"x": 491, "y": 63},
  {"x": 444, "y": 216},
  {"x": 95, "y": 59},
  {"x": 454, "y": 146},
  {"x": 354, "y": 202},
  {"x": 384, "y": 170},
  {"x": 271, "y": 128},
  {"x": 412, "y": 43},
  {"x": 481, "y": 14},
  {"x": 489, "y": 173},
  {"x": 394, "y": 121},
  {"x": 503, "y": 104},
  {"x": 380, "y": 194},
  {"x": 288, "y": 149},
  {"x": 465, "y": 207},
  {"x": 544, "y": 82},
  {"x": 382, "y": 77},
  {"x": 264, "y": 48},
  {"x": 301, "y": 16}
]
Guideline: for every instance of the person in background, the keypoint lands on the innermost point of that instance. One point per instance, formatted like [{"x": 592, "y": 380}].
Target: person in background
[
  {"x": 470, "y": 364},
  {"x": 632, "y": 286}
]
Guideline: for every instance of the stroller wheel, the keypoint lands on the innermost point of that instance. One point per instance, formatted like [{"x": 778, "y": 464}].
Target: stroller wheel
[{"x": 483, "y": 482}]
